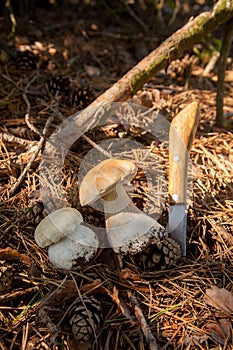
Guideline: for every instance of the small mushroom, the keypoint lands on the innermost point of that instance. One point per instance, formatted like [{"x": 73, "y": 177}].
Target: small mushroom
[
  {"x": 76, "y": 249},
  {"x": 56, "y": 226},
  {"x": 70, "y": 242},
  {"x": 129, "y": 230}
]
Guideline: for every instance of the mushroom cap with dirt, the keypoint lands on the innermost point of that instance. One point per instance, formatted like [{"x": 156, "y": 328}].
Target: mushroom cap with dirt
[
  {"x": 74, "y": 250},
  {"x": 129, "y": 230},
  {"x": 69, "y": 241}
]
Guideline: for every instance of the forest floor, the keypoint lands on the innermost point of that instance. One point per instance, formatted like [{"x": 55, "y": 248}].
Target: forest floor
[{"x": 86, "y": 46}]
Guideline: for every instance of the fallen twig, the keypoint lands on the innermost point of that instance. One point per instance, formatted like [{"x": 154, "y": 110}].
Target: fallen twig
[
  {"x": 211, "y": 64},
  {"x": 150, "y": 339},
  {"x": 23, "y": 90},
  {"x": 38, "y": 148},
  {"x": 195, "y": 30},
  {"x": 12, "y": 18},
  {"x": 14, "y": 139},
  {"x": 100, "y": 149},
  {"x": 52, "y": 109},
  {"x": 135, "y": 17},
  {"x": 86, "y": 138},
  {"x": 18, "y": 293},
  {"x": 226, "y": 44},
  {"x": 2, "y": 345},
  {"x": 27, "y": 115}
]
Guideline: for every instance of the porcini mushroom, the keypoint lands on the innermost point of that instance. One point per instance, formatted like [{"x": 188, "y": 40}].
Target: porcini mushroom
[
  {"x": 76, "y": 249},
  {"x": 69, "y": 241},
  {"x": 57, "y": 225},
  {"x": 129, "y": 230}
]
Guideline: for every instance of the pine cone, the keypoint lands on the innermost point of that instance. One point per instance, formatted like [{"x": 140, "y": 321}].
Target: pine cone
[
  {"x": 6, "y": 278},
  {"x": 26, "y": 60},
  {"x": 85, "y": 318},
  {"x": 38, "y": 210},
  {"x": 178, "y": 68},
  {"x": 32, "y": 214},
  {"x": 58, "y": 84},
  {"x": 81, "y": 98},
  {"x": 160, "y": 256}
]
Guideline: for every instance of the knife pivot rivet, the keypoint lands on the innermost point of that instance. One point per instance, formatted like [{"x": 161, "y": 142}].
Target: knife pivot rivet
[
  {"x": 176, "y": 158},
  {"x": 175, "y": 197}
]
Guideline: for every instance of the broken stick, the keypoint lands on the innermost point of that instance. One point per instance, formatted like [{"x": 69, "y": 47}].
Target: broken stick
[
  {"x": 192, "y": 33},
  {"x": 150, "y": 339}
]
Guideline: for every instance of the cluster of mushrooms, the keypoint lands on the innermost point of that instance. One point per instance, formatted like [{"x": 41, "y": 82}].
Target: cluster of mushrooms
[{"x": 70, "y": 241}]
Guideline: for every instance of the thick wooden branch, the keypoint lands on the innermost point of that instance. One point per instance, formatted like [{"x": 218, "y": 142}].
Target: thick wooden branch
[{"x": 169, "y": 50}]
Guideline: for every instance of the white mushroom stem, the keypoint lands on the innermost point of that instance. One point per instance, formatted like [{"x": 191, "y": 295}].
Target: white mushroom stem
[
  {"x": 77, "y": 248},
  {"x": 129, "y": 230}
]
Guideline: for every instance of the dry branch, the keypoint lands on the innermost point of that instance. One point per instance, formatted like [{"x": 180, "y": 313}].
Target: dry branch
[
  {"x": 195, "y": 30},
  {"x": 227, "y": 39},
  {"x": 7, "y": 137},
  {"x": 150, "y": 339},
  {"x": 38, "y": 147}
]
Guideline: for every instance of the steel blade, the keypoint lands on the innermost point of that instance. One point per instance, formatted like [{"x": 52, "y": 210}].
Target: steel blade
[{"x": 177, "y": 225}]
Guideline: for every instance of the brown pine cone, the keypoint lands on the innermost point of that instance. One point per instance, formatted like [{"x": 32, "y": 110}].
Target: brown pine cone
[
  {"x": 85, "y": 318},
  {"x": 38, "y": 210},
  {"x": 80, "y": 98},
  {"x": 58, "y": 84},
  {"x": 26, "y": 60},
  {"x": 32, "y": 214},
  {"x": 160, "y": 256}
]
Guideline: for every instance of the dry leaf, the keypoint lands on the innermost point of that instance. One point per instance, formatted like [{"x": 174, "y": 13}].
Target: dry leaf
[
  {"x": 62, "y": 294},
  {"x": 67, "y": 291},
  {"x": 127, "y": 274},
  {"x": 220, "y": 331},
  {"x": 93, "y": 286},
  {"x": 12, "y": 254},
  {"x": 220, "y": 298}
]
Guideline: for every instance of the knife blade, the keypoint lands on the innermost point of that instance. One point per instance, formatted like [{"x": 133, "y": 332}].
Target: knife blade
[{"x": 181, "y": 135}]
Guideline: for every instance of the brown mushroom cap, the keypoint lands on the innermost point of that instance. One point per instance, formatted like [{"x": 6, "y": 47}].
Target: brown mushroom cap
[{"x": 101, "y": 179}]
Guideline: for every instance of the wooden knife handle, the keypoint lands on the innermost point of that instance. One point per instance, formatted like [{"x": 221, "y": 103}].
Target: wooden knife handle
[{"x": 181, "y": 134}]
